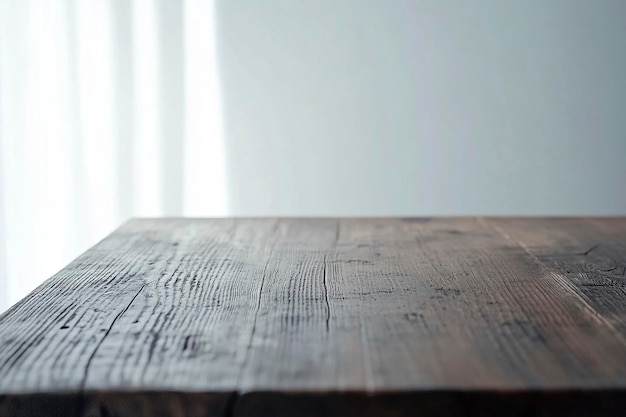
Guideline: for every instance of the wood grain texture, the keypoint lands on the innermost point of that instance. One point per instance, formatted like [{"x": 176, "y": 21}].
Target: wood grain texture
[
  {"x": 242, "y": 317},
  {"x": 590, "y": 254}
]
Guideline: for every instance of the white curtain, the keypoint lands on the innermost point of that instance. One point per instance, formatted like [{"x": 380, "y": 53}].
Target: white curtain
[{"x": 109, "y": 109}]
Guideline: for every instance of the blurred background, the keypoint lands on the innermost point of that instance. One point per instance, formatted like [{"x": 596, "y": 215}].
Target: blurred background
[{"x": 114, "y": 108}]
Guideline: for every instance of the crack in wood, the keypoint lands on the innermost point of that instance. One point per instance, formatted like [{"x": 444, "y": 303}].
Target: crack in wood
[
  {"x": 337, "y": 232},
  {"x": 256, "y": 313},
  {"x": 326, "y": 295},
  {"x": 588, "y": 251},
  {"x": 95, "y": 351},
  {"x": 231, "y": 402},
  {"x": 258, "y": 306}
]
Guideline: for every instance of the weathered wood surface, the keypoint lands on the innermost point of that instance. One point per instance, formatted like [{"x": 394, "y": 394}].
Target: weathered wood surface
[{"x": 243, "y": 317}]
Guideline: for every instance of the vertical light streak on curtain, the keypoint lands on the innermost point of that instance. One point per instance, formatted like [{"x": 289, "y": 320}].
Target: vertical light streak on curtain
[
  {"x": 108, "y": 109},
  {"x": 12, "y": 66},
  {"x": 96, "y": 86},
  {"x": 4, "y": 296},
  {"x": 4, "y": 24},
  {"x": 171, "y": 109},
  {"x": 123, "y": 72},
  {"x": 146, "y": 150},
  {"x": 204, "y": 166},
  {"x": 78, "y": 209},
  {"x": 36, "y": 119}
]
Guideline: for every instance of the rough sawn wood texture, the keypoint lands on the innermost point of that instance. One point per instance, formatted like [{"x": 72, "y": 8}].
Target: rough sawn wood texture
[{"x": 332, "y": 317}]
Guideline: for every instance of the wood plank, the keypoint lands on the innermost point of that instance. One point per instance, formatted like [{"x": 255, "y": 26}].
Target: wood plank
[
  {"x": 434, "y": 294},
  {"x": 145, "y": 309},
  {"x": 283, "y": 316},
  {"x": 191, "y": 326},
  {"x": 589, "y": 254}
]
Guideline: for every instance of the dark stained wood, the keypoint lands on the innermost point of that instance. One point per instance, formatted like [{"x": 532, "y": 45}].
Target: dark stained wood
[
  {"x": 244, "y": 317},
  {"x": 590, "y": 254}
]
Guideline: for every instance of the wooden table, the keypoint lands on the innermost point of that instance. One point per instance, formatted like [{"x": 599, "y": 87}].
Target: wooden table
[{"x": 327, "y": 317}]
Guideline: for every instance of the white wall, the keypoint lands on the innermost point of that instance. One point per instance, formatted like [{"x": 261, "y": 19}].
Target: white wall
[{"x": 424, "y": 107}]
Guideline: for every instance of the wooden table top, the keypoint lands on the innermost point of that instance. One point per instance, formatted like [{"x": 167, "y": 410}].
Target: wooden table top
[{"x": 308, "y": 317}]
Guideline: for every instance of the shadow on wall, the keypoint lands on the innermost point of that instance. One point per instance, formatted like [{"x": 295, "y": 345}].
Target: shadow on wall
[{"x": 378, "y": 108}]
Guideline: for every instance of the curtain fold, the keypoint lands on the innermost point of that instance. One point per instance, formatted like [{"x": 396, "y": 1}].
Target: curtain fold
[{"x": 108, "y": 109}]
